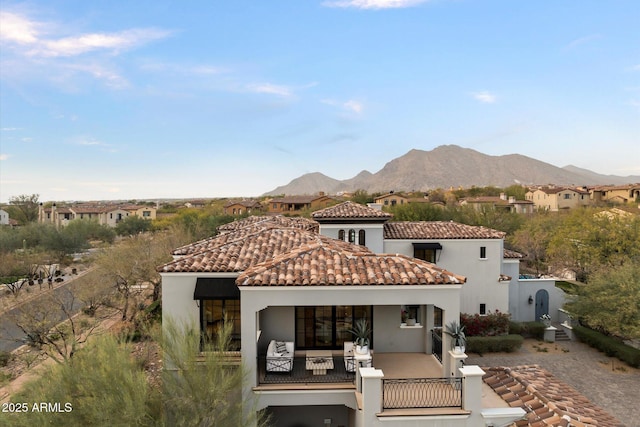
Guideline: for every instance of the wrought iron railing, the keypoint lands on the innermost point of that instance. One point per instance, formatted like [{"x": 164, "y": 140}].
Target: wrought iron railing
[
  {"x": 422, "y": 393},
  {"x": 436, "y": 345}
]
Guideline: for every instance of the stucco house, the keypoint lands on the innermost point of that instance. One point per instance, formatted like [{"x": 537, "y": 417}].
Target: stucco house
[
  {"x": 391, "y": 199},
  {"x": 109, "y": 215},
  {"x": 553, "y": 198},
  {"x": 502, "y": 202},
  {"x": 619, "y": 194},
  {"x": 305, "y": 282},
  {"x": 296, "y": 204},
  {"x": 4, "y": 217},
  {"x": 241, "y": 207}
]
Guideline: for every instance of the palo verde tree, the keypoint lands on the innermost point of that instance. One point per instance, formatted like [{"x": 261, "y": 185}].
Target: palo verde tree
[
  {"x": 24, "y": 208},
  {"x": 101, "y": 386},
  {"x": 610, "y": 302},
  {"x": 202, "y": 388}
]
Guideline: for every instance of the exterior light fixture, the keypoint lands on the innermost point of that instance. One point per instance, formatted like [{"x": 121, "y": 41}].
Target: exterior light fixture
[{"x": 530, "y": 300}]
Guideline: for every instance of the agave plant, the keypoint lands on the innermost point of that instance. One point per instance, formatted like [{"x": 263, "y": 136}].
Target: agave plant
[
  {"x": 456, "y": 331},
  {"x": 361, "y": 332}
]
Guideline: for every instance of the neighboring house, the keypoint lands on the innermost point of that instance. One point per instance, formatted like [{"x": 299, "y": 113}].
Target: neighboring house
[
  {"x": 554, "y": 198},
  {"x": 306, "y": 289},
  {"x": 241, "y": 207},
  {"x": 391, "y": 199},
  {"x": 109, "y": 215},
  {"x": 4, "y": 217},
  {"x": 197, "y": 204},
  {"x": 296, "y": 204},
  {"x": 509, "y": 204},
  {"x": 616, "y": 193}
]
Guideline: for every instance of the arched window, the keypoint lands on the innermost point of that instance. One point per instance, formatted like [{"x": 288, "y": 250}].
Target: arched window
[
  {"x": 341, "y": 235},
  {"x": 352, "y": 236},
  {"x": 361, "y": 237}
]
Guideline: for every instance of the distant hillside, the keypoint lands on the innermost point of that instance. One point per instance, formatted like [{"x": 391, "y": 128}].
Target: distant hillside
[{"x": 451, "y": 166}]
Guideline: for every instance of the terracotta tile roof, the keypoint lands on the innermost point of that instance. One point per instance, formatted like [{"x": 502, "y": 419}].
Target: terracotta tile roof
[
  {"x": 326, "y": 263},
  {"x": 241, "y": 252},
  {"x": 438, "y": 230},
  {"x": 350, "y": 210},
  {"x": 223, "y": 238},
  {"x": 245, "y": 203},
  {"x": 297, "y": 199},
  {"x": 280, "y": 220},
  {"x": 556, "y": 190},
  {"x": 509, "y": 254},
  {"x": 546, "y": 400}
]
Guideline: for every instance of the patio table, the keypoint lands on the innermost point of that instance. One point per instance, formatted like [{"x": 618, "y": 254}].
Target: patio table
[{"x": 319, "y": 361}]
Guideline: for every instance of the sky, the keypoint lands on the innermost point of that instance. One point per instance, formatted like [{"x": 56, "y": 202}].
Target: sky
[{"x": 108, "y": 100}]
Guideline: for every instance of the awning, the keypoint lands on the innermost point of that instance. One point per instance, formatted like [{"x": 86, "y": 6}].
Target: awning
[
  {"x": 218, "y": 288},
  {"x": 427, "y": 246}
]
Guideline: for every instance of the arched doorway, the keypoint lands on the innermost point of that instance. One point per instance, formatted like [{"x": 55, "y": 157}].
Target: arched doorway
[{"x": 542, "y": 303}]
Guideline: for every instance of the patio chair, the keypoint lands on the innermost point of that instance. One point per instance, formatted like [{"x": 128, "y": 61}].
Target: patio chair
[
  {"x": 349, "y": 361},
  {"x": 280, "y": 356}
]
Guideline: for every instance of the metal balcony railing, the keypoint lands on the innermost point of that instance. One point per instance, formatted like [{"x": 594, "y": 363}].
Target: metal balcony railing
[
  {"x": 422, "y": 393},
  {"x": 300, "y": 375},
  {"x": 436, "y": 345}
]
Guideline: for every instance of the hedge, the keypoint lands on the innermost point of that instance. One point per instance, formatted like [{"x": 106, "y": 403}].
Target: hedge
[
  {"x": 608, "y": 345},
  {"x": 528, "y": 329},
  {"x": 506, "y": 343}
]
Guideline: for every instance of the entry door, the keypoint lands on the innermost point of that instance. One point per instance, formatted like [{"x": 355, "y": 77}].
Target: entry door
[{"x": 542, "y": 303}]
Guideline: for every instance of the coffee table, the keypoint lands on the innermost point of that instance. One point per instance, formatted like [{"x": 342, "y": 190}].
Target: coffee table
[{"x": 319, "y": 361}]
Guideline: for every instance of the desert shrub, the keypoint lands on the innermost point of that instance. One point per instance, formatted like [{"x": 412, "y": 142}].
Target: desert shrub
[
  {"x": 495, "y": 344},
  {"x": 608, "y": 345},
  {"x": 5, "y": 357},
  {"x": 487, "y": 325}
]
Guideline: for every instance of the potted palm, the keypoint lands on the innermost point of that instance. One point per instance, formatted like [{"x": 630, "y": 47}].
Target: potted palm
[
  {"x": 456, "y": 331},
  {"x": 361, "y": 332}
]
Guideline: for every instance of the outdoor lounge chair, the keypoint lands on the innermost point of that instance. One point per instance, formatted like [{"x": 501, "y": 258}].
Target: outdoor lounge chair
[{"x": 280, "y": 356}]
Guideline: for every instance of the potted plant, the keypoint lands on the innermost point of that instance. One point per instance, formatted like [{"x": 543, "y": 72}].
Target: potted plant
[
  {"x": 361, "y": 332},
  {"x": 456, "y": 331}
]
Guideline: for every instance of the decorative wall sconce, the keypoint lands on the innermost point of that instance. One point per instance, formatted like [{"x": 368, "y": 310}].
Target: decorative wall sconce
[{"x": 530, "y": 300}]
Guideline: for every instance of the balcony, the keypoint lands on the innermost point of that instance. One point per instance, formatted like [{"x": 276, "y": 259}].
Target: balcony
[{"x": 301, "y": 377}]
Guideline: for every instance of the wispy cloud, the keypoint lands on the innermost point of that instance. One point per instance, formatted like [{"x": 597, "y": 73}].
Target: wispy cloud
[
  {"x": 485, "y": 97},
  {"x": 271, "y": 89},
  {"x": 582, "y": 40},
  {"x": 9, "y": 129},
  {"x": 4, "y": 156},
  {"x": 352, "y": 105},
  {"x": 92, "y": 142},
  {"x": 100, "y": 72},
  {"x": 20, "y": 30},
  {"x": 373, "y": 4}
]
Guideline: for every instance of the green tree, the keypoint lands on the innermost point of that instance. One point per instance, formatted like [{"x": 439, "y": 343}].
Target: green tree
[
  {"x": 203, "y": 388},
  {"x": 132, "y": 225},
  {"x": 532, "y": 239},
  {"x": 611, "y": 301},
  {"x": 362, "y": 197},
  {"x": 101, "y": 386},
  {"x": 24, "y": 208}
]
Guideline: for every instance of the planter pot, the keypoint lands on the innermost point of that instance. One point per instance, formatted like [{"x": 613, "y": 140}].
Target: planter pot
[
  {"x": 459, "y": 349},
  {"x": 411, "y": 322},
  {"x": 362, "y": 349}
]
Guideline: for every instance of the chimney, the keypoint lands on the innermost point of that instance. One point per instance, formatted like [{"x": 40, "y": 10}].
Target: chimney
[
  {"x": 503, "y": 196},
  {"x": 512, "y": 199}
]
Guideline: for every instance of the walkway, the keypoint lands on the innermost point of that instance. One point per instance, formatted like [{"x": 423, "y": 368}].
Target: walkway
[{"x": 585, "y": 369}]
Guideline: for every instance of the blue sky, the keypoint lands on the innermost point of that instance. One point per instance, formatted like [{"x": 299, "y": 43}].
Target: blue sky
[{"x": 152, "y": 99}]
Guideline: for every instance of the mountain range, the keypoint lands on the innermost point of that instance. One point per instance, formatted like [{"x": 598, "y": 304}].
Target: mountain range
[{"x": 451, "y": 166}]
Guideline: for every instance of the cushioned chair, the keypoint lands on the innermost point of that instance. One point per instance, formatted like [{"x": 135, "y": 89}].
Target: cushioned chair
[
  {"x": 280, "y": 356},
  {"x": 349, "y": 360}
]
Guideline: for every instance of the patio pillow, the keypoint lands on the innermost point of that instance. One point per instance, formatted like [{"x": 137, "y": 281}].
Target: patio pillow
[{"x": 281, "y": 347}]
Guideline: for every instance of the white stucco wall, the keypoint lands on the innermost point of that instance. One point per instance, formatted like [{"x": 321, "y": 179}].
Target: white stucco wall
[
  {"x": 177, "y": 296},
  {"x": 462, "y": 256},
  {"x": 524, "y": 288},
  {"x": 373, "y": 238},
  {"x": 4, "y": 217}
]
